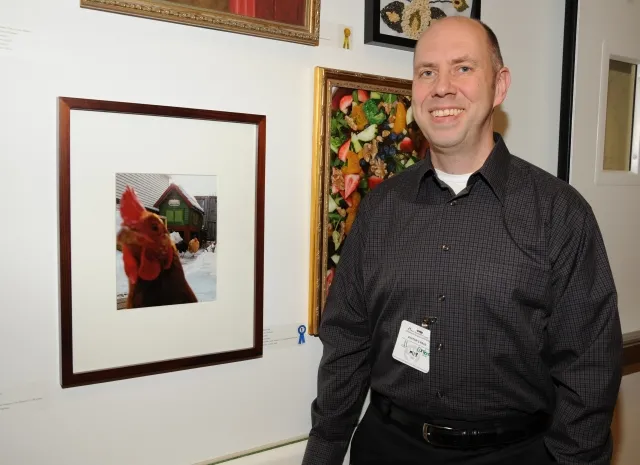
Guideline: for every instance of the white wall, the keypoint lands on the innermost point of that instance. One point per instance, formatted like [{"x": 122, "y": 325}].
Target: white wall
[{"x": 192, "y": 416}]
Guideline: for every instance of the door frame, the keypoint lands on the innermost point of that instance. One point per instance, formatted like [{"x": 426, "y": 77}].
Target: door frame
[
  {"x": 631, "y": 357},
  {"x": 567, "y": 88}
]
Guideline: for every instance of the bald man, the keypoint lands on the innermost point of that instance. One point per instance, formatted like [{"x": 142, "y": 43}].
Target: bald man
[{"x": 473, "y": 298}]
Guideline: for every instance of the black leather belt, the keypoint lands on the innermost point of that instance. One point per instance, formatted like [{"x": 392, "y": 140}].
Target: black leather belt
[{"x": 484, "y": 434}]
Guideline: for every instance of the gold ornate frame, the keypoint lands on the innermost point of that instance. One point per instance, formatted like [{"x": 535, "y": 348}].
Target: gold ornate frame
[
  {"x": 325, "y": 80},
  {"x": 202, "y": 17}
]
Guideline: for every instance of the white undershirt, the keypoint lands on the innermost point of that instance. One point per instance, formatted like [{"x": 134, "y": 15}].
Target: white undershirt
[{"x": 457, "y": 182}]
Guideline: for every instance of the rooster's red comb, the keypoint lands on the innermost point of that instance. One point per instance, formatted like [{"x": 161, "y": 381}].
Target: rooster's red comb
[{"x": 131, "y": 209}]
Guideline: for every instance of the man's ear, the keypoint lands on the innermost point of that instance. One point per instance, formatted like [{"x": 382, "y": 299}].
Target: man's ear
[{"x": 503, "y": 81}]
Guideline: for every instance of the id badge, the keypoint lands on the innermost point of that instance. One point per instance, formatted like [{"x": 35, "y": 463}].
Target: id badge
[{"x": 412, "y": 346}]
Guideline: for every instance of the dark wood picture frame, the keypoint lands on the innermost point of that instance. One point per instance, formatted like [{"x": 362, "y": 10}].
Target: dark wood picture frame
[
  {"x": 71, "y": 378},
  {"x": 373, "y": 35},
  {"x": 631, "y": 356}
]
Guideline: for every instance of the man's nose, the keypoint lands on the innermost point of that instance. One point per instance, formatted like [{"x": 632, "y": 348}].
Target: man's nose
[{"x": 443, "y": 85}]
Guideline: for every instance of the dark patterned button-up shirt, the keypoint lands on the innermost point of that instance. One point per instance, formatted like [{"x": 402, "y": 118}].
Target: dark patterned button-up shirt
[{"x": 515, "y": 272}]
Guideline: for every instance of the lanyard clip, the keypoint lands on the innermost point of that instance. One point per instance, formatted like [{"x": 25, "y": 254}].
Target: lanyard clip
[{"x": 428, "y": 321}]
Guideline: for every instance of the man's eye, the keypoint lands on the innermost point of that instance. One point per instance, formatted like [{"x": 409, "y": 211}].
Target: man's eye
[{"x": 465, "y": 68}]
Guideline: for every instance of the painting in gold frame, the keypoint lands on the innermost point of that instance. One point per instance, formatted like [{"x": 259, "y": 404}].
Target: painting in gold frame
[
  {"x": 364, "y": 133},
  {"x": 287, "y": 20}
]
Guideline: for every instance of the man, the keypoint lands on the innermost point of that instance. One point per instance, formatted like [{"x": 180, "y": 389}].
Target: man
[{"x": 473, "y": 296}]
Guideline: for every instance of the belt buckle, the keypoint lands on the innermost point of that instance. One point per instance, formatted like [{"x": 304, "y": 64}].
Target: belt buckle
[{"x": 427, "y": 431}]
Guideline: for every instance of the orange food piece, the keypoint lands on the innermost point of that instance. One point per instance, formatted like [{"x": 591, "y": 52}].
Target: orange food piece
[
  {"x": 351, "y": 217},
  {"x": 353, "y": 164},
  {"x": 352, "y": 211},
  {"x": 359, "y": 117},
  {"x": 401, "y": 118},
  {"x": 355, "y": 199}
]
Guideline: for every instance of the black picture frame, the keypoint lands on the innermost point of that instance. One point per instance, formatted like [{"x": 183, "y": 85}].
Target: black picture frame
[
  {"x": 373, "y": 36},
  {"x": 567, "y": 88}
]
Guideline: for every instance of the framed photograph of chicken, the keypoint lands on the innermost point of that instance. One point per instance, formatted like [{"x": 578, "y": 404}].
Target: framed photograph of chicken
[
  {"x": 177, "y": 282},
  {"x": 364, "y": 134}
]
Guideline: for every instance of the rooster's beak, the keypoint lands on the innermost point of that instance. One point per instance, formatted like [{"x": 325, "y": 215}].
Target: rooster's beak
[{"x": 127, "y": 236}]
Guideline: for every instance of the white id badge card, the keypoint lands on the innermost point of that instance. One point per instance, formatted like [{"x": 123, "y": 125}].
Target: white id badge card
[{"x": 412, "y": 346}]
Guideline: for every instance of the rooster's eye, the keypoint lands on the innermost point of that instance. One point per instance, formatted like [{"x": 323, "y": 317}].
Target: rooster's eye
[{"x": 154, "y": 227}]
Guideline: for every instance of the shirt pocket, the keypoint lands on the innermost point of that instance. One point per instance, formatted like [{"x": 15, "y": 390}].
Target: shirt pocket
[{"x": 511, "y": 300}]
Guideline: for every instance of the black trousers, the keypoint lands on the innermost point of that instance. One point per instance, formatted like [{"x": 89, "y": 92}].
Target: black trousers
[{"x": 379, "y": 441}]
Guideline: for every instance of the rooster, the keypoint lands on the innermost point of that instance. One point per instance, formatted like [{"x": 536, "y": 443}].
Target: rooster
[{"x": 150, "y": 257}]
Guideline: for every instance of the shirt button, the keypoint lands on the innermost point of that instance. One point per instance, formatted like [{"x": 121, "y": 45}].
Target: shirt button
[
  {"x": 440, "y": 346},
  {"x": 453, "y": 202},
  {"x": 445, "y": 248},
  {"x": 439, "y": 395},
  {"x": 441, "y": 297}
]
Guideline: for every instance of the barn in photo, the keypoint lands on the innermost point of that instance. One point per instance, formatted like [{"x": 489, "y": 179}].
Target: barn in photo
[{"x": 182, "y": 211}]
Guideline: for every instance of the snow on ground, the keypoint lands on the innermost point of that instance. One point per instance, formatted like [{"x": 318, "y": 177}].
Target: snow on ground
[
  {"x": 200, "y": 271},
  {"x": 122, "y": 282}
]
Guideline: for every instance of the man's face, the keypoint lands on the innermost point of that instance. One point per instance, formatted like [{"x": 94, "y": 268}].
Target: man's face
[{"x": 454, "y": 85}]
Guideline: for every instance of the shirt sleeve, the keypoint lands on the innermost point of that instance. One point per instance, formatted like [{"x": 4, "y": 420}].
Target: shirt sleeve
[
  {"x": 343, "y": 374},
  {"x": 584, "y": 340}
]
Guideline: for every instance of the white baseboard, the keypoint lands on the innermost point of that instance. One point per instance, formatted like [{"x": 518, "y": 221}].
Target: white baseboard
[{"x": 254, "y": 451}]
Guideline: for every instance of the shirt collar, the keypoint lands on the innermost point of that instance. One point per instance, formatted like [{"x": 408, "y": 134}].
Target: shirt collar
[{"x": 494, "y": 171}]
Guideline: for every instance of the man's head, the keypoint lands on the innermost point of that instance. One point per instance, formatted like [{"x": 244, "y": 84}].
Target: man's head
[{"x": 458, "y": 79}]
